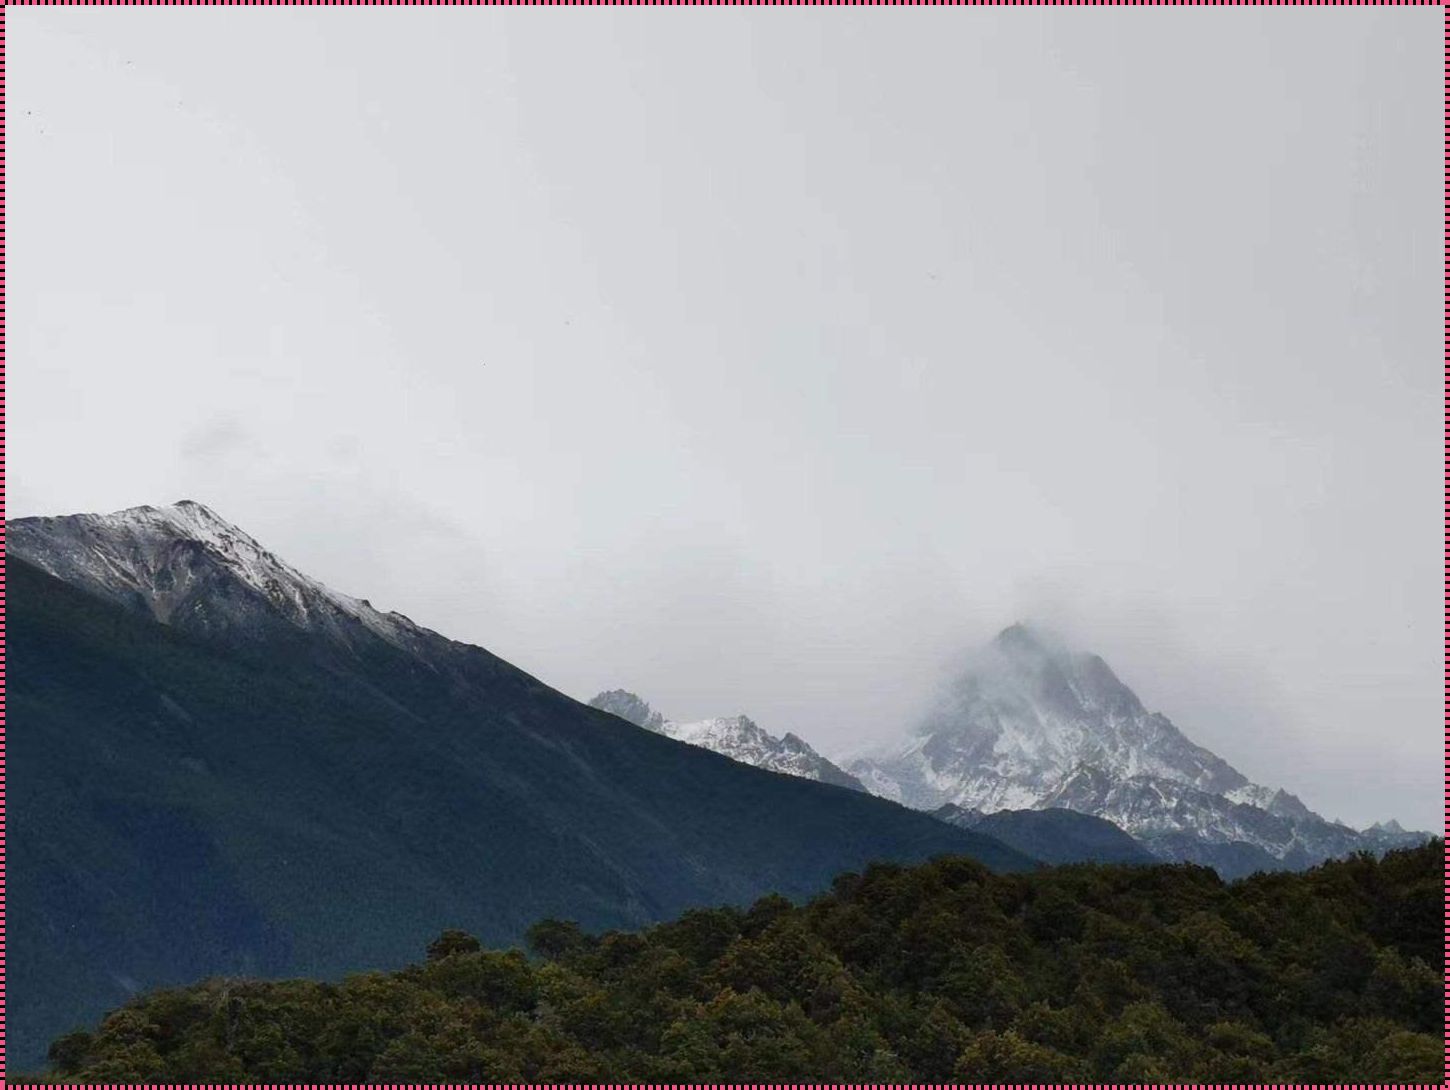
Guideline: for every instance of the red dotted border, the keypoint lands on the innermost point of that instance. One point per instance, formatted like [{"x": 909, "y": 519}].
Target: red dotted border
[
  {"x": 1446, "y": 257},
  {"x": 735, "y": 3},
  {"x": 701, "y": 3},
  {"x": 753, "y": 1086},
  {"x": 3, "y": 1067}
]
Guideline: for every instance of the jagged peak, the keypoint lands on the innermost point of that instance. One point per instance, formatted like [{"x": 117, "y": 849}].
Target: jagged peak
[
  {"x": 1020, "y": 636},
  {"x": 194, "y": 512},
  {"x": 735, "y": 736},
  {"x": 630, "y": 707},
  {"x": 621, "y": 694},
  {"x": 191, "y": 520},
  {"x": 186, "y": 519},
  {"x": 184, "y": 510},
  {"x": 1034, "y": 646}
]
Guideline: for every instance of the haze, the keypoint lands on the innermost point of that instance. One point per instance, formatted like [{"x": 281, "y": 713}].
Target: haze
[{"x": 765, "y": 361}]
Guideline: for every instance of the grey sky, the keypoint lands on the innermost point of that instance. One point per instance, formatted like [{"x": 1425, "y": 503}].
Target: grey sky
[{"x": 763, "y": 360}]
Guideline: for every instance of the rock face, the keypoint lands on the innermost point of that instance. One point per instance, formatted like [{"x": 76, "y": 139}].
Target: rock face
[
  {"x": 631, "y": 708},
  {"x": 1032, "y": 725},
  {"x": 736, "y": 737},
  {"x": 219, "y": 766}
]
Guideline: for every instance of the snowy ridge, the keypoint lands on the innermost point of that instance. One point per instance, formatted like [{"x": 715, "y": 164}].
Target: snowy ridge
[
  {"x": 737, "y": 737},
  {"x": 185, "y": 565},
  {"x": 1030, "y": 724}
]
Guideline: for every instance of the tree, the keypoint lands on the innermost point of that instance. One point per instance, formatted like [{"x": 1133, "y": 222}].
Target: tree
[
  {"x": 1007, "y": 1058},
  {"x": 452, "y": 942},
  {"x": 555, "y": 939}
]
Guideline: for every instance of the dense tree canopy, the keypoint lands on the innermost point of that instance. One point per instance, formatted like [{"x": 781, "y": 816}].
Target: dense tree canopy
[{"x": 935, "y": 972}]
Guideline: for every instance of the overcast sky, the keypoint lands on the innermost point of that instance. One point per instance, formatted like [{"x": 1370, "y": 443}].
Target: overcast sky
[{"x": 765, "y": 360}]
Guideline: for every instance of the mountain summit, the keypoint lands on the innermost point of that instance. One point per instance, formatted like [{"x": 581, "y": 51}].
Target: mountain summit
[
  {"x": 737, "y": 737},
  {"x": 187, "y": 567},
  {"x": 1031, "y": 724}
]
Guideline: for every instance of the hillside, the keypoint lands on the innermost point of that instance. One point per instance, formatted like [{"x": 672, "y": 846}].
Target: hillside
[
  {"x": 931, "y": 973},
  {"x": 283, "y": 781},
  {"x": 1053, "y": 836}
]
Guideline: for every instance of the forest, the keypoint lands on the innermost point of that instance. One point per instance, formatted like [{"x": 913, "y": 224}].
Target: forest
[{"x": 941, "y": 971}]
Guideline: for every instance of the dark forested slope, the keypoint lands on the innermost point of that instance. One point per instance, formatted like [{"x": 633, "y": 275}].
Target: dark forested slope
[
  {"x": 928, "y": 973},
  {"x": 1053, "y": 836}
]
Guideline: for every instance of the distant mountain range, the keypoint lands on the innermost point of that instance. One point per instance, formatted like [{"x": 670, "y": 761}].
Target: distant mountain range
[
  {"x": 1054, "y": 835},
  {"x": 1030, "y": 725},
  {"x": 218, "y": 765},
  {"x": 737, "y": 737}
]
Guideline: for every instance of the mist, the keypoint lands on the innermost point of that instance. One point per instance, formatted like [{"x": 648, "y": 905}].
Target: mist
[{"x": 769, "y": 362}]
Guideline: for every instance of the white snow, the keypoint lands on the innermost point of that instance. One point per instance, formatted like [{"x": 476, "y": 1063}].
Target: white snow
[
  {"x": 737, "y": 737},
  {"x": 1030, "y": 725},
  {"x": 132, "y": 552}
]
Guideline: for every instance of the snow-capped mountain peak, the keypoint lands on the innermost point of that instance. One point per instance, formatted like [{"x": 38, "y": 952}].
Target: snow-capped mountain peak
[
  {"x": 186, "y": 565},
  {"x": 1029, "y": 723},
  {"x": 737, "y": 737}
]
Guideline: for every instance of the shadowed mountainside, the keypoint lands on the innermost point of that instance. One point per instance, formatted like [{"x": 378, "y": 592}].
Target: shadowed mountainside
[{"x": 245, "y": 794}]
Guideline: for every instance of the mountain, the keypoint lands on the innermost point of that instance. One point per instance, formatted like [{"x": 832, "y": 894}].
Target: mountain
[
  {"x": 737, "y": 737},
  {"x": 188, "y": 568},
  {"x": 217, "y": 765},
  {"x": 1032, "y": 725},
  {"x": 1055, "y": 836}
]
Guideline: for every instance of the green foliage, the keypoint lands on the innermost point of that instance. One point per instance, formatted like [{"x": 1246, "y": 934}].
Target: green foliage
[
  {"x": 452, "y": 942},
  {"x": 555, "y": 939},
  {"x": 923, "y": 974}
]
